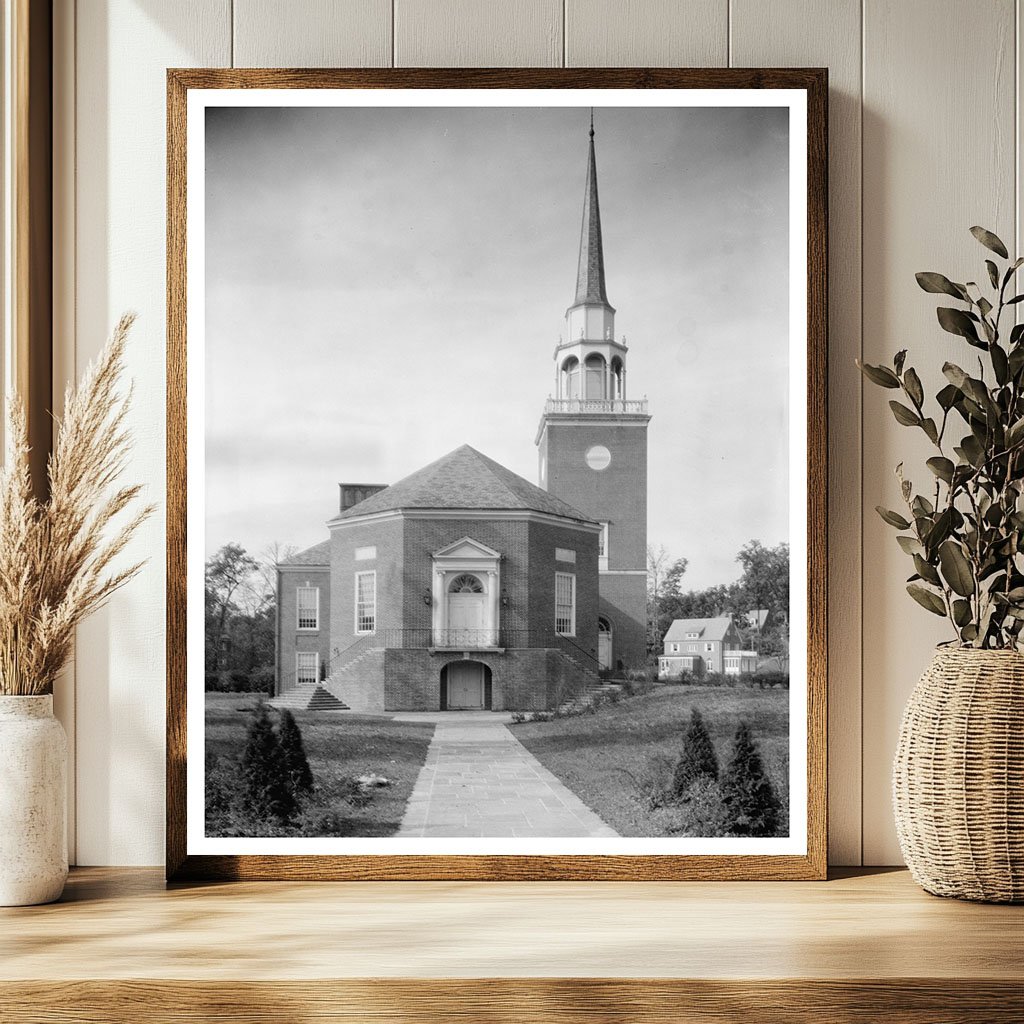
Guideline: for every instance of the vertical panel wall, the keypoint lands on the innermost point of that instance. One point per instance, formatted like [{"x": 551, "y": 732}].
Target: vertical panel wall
[
  {"x": 923, "y": 96},
  {"x": 939, "y": 156}
]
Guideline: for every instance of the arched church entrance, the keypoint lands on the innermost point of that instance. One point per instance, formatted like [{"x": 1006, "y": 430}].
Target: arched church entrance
[
  {"x": 604, "y": 642},
  {"x": 465, "y": 686}
]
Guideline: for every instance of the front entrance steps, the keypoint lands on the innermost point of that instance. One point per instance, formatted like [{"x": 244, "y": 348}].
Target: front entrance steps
[
  {"x": 309, "y": 697},
  {"x": 593, "y": 694}
]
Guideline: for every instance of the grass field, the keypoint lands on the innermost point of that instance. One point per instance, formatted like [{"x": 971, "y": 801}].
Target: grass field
[
  {"x": 338, "y": 747},
  {"x": 605, "y": 757}
]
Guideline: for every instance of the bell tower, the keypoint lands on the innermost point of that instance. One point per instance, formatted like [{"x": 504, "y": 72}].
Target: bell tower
[{"x": 592, "y": 443}]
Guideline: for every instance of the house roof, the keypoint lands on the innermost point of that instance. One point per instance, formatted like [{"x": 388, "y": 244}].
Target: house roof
[
  {"x": 706, "y": 629},
  {"x": 318, "y": 554},
  {"x": 463, "y": 479}
]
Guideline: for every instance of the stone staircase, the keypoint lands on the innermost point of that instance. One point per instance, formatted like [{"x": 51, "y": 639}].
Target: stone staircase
[
  {"x": 595, "y": 691},
  {"x": 309, "y": 697}
]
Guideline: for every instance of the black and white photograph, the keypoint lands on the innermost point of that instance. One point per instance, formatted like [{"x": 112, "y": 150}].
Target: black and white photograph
[{"x": 497, "y": 462}]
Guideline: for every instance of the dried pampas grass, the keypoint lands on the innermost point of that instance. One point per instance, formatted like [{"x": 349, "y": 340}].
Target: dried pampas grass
[{"x": 56, "y": 556}]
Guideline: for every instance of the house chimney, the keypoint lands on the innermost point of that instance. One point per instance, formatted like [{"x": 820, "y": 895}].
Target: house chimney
[{"x": 352, "y": 494}]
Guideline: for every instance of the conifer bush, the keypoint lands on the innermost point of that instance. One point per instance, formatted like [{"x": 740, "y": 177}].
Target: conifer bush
[
  {"x": 752, "y": 808},
  {"x": 293, "y": 751},
  {"x": 698, "y": 758},
  {"x": 267, "y": 792}
]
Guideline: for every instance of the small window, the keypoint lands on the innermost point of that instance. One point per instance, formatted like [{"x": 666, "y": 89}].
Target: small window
[
  {"x": 692, "y": 636},
  {"x": 366, "y": 602},
  {"x": 565, "y": 604},
  {"x": 367, "y": 554},
  {"x": 565, "y": 555},
  {"x": 307, "y": 601},
  {"x": 307, "y": 667},
  {"x": 709, "y": 647},
  {"x": 675, "y": 648},
  {"x": 691, "y": 647}
]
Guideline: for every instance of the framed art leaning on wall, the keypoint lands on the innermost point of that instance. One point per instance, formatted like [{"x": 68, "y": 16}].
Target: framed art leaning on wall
[{"x": 496, "y": 428}]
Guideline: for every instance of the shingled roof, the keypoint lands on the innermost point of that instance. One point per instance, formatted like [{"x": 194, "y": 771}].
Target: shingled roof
[
  {"x": 706, "y": 629},
  {"x": 318, "y": 554},
  {"x": 464, "y": 479}
]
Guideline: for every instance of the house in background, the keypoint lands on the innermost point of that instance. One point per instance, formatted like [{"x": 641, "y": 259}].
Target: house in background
[{"x": 701, "y": 646}]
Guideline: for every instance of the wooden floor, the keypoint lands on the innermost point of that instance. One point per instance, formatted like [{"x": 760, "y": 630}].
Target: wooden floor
[{"x": 869, "y": 946}]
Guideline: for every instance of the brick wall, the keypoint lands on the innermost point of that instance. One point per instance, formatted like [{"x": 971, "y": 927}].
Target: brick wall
[
  {"x": 290, "y": 639},
  {"x": 624, "y": 603}
]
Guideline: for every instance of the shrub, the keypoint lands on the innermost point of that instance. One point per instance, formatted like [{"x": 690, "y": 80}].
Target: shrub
[
  {"x": 238, "y": 681},
  {"x": 518, "y": 717},
  {"x": 263, "y": 678},
  {"x": 700, "y": 814},
  {"x": 293, "y": 752},
  {"x": 752, "y": 807},
  {"x": 213, "y": 682},
  {"x": 267, "y": 792},
  {"x": 697, "y": 759}
]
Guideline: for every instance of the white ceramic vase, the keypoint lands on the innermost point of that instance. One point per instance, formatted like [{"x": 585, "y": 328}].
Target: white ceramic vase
[{"x": 33, "y": 788}]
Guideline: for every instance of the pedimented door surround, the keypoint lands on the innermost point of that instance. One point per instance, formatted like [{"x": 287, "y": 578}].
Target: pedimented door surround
[{"x": 464, "y": 596}]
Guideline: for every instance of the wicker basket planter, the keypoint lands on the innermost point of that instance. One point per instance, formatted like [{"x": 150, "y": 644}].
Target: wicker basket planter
[{"x": 958, "y": 777}]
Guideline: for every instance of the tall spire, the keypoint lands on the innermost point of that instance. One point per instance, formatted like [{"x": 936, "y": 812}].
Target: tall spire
[{"x": 590, "y": 272}]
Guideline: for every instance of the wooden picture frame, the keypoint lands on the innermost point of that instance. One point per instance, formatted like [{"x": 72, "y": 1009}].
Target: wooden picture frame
[{"x": 810, "y": 863}]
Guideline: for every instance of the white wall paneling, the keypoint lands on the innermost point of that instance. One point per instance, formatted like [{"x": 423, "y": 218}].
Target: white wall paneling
[
  {"x": 312, "y": 33},
  {"x": 939, "y": 156},
  {"x": 791, "y": 33},
  {"x": 122, "y": 50},
  {"x": 924, "y": 103},
  {"x": 646, "y": 33},
  {"x": 478, "y": 33}
]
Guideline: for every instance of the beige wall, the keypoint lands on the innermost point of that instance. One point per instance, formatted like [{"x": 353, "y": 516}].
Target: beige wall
[{"x": 924, "y": 100}]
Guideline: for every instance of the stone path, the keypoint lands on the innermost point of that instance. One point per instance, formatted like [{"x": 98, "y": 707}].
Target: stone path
[{"x": 479, "y": 780}]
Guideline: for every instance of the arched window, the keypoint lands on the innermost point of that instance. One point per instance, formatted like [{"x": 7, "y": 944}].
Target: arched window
[
  {"x": 466, "y": 584},
  {"x": 571, "y": 378},
  {"x": 616, "y": 378},
  {"x": 595, "y": 372}
]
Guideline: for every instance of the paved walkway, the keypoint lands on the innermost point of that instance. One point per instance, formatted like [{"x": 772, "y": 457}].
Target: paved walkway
[{"x": 479, "y": 780}]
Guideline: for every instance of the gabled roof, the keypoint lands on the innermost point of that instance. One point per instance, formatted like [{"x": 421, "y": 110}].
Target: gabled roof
[
  {"x": 463, "y": 479},
  {"x": 590, "y": 270},
  {"x": 318, "y": 554},
  {"x": 706, "y": 629}
]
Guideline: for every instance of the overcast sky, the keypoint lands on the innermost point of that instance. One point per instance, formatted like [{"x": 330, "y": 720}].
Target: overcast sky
[{"x": 384, "y": 285}]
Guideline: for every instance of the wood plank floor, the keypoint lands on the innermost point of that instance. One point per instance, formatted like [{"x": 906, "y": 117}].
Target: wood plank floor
[{"x": 122, "y": 947}]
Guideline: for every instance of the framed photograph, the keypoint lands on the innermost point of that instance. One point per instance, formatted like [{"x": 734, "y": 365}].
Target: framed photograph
[{"x": 497, "y": 432}]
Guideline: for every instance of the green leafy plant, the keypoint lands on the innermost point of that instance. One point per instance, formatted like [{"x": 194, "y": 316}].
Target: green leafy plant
[{"x": 965, "y": 530}]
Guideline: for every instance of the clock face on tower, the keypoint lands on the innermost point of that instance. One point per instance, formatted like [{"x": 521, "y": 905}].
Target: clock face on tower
[{"x": 598, "y": 457}]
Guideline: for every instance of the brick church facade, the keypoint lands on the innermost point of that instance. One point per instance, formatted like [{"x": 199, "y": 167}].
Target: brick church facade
[{"x": 465, "y": 586}]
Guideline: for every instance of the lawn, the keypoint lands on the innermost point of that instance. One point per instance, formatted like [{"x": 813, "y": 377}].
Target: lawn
[
  {"x": 339, "y": 747},
  {"x": 605, "y": 758}
]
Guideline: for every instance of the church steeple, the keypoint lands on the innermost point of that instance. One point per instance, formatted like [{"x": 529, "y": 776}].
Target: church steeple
[{"x": 590, "y": 288}]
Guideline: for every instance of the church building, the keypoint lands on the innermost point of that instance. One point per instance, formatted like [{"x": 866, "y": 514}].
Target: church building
[{"x": 465, "y": 586}]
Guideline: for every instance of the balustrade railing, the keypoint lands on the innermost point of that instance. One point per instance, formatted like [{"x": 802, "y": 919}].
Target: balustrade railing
[{"x": 582, "y": 405}]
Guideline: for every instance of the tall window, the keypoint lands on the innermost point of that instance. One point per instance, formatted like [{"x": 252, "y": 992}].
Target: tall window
[
  {"x": 565, "y": 604},
  {"x": 307, "y": 667},
  {"x": 366, "y": 602},
  {"x": 308, "y": 604},
  {"x": 602, "y": 547}
]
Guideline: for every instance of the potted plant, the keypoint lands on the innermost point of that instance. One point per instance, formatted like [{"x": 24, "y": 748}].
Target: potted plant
[
  {"x": 958, "y": 781},
  {"x": 56, "y": 566}
]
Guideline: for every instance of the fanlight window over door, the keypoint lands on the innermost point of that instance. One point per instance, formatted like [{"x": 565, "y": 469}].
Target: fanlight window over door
[{"x": 466, "y": 584}]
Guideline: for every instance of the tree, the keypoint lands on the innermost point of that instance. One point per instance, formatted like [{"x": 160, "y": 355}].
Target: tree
[
  {"x": 267, "y": 791},
  {"x": 697, "y": 759},
  {"x": 752, "y": 807},
  {"x": 228, "y": 573},
  {"x": 293, "y": 752}
]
